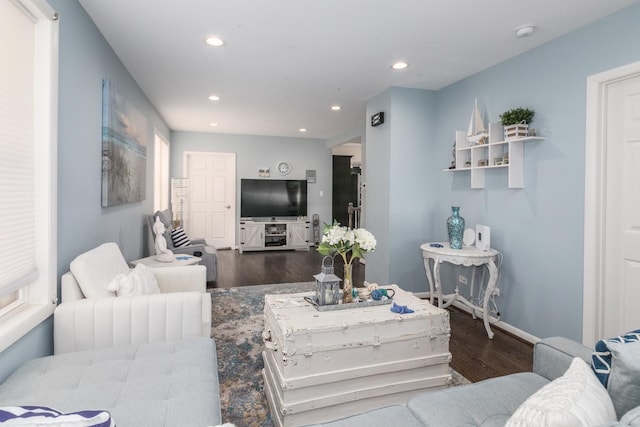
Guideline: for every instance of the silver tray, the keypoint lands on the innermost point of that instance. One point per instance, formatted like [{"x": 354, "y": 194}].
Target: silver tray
[{"x": 335, "y": 307}]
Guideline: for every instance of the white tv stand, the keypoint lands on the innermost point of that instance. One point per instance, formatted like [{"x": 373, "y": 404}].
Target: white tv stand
[{"x": 275, "y": 234}]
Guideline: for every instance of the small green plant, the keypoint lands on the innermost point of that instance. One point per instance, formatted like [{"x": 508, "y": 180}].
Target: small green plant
[{"x": 516, "y": 115}]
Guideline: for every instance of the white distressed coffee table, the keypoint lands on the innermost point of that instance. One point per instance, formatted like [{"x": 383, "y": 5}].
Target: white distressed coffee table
[{"x": 320, "y": 366}]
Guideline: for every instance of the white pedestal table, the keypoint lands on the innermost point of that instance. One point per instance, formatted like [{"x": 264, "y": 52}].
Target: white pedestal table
[{"x": 468, "y": 256}]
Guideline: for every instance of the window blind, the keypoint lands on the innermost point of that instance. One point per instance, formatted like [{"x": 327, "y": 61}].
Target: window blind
[{"x": 17, "y": 149}]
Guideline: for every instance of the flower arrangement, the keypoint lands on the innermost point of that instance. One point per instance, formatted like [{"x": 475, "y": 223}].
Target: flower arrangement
[
  {"x": 345, "y": 241},
  {"x": 349, "y": 244}
]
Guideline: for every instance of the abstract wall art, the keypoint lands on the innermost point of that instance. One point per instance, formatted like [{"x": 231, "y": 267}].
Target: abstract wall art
[{"x": 124, "y": 149}]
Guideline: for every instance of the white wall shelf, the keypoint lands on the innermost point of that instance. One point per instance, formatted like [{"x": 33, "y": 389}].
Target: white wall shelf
[{"x": 469, "y": 157}]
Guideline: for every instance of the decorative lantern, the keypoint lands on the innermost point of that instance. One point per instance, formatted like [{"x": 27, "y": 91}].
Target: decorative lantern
[{"x": 327, "y": 284}]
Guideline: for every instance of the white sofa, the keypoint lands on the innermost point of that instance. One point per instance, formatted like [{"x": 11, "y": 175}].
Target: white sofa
[
  {"x": 148, "y": 359},
  {"x": 182, "y": 309}
]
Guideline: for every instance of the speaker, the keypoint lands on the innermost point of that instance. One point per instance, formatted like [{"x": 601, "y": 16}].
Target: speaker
[{"x": 483, "y": 237}]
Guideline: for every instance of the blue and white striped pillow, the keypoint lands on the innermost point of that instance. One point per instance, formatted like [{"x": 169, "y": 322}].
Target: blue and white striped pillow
[
  {"x": 42, "y": 416},
  {"x": 179, "y": 238},
  {"x": 601, "y": 357}
]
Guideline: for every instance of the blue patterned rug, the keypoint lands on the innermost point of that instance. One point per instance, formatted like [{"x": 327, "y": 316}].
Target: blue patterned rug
[{"x": 237, "y": 325}]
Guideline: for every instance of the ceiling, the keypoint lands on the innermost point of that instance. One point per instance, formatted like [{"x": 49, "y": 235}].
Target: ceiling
[{"x": 286, "y": 62}]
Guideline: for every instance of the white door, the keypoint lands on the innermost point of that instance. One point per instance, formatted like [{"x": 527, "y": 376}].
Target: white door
[
  {"x": 622, "y": 242},
  {"x": 212, "y": 197},
  {"x": 612, "y": 204}
]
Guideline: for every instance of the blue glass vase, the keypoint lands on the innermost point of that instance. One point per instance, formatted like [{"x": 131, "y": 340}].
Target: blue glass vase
[{"x": 455, "y": 228}]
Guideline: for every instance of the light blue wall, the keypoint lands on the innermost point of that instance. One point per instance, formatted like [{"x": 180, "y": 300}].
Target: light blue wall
[
  {"x": 254, "y": 152},
  {"x": 398, "y": 197},
  {"x": 37, "y": 343},
  {"x": 539, "y": 228},
  {"x": 85, "y": 59},
  {"x": 411, "y": 198},
  {"x": 375, "y": 200}
]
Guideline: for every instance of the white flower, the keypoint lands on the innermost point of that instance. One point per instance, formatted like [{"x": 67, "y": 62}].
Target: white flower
[
  {"x": 365, "y": 240},
  {"x": 344, "y": 241},
  {"x": 335, "y": 235}
]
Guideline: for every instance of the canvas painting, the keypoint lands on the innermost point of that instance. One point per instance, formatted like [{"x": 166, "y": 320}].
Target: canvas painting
[{"x": 124, "y": 149}]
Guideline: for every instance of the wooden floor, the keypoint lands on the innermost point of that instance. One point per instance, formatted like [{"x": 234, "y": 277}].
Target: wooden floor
[{"x": 474, "y": 355}]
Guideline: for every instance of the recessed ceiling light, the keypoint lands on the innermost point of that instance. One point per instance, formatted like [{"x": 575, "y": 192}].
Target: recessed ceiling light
[
  {"x": 213, "y": 124},
  {"x": 214, "y": 41},
  {"x": 214, "y": 98},
  {"x": 400, "y": 65},
  {"x": 524, "y": 30},
  {"x": 302, "y": 130},
  {"x": 336, "y": 107}
]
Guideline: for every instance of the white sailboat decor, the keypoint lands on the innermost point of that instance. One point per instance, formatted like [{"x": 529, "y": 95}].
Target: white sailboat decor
[{"x": 477, "y": 133}]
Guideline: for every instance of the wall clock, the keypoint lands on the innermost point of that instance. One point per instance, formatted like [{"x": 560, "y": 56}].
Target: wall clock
[{"x": 284, "y": 168}]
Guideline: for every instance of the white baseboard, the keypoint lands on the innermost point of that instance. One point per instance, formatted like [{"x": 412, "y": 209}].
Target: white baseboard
[{"x": 497, "y": 323}]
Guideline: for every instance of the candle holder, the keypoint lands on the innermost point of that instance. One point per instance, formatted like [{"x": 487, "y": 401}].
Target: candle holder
[{"x": 327, "y": 284}]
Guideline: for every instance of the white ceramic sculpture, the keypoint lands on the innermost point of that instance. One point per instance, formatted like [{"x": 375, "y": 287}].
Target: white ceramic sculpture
[{"x": 163, "y": 254}]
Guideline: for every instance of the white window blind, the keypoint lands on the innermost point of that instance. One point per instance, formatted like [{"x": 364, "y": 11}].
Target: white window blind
[{"x": 17, "y": 164}]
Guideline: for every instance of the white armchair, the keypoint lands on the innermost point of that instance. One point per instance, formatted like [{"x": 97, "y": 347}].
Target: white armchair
[{"x": 91, "y": 317}]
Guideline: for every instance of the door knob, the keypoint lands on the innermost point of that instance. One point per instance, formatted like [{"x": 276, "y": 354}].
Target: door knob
[{"x": 228, "y": 206}]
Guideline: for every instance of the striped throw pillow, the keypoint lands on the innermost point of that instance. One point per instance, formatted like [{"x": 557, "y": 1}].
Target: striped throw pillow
[
  {"x": 601, "y": 359},
  {"x": 43, "y": 416},
  {"x": 179, "y": 238}
]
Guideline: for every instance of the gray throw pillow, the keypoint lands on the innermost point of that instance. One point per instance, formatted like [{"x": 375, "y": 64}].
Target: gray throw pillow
[{"x": 624, "y": 380}]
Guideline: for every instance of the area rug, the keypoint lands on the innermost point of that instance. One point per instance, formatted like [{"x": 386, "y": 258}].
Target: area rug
[{"x": 237, "y": 325}]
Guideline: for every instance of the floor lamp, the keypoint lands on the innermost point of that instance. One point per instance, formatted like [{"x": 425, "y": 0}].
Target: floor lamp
[{"x": 179, "y": 189}]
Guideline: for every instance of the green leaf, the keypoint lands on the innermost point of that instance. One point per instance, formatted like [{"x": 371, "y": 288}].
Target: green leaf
[
  {"x": 357, "y": 253},
  {"x": 325, "y": 249}
]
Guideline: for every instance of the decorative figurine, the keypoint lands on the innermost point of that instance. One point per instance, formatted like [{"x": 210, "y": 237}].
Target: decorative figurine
[{"x": 163, "y": 254}]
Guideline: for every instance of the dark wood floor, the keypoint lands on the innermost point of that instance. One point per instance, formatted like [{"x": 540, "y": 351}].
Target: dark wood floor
[{"x": 474, "y": 355}]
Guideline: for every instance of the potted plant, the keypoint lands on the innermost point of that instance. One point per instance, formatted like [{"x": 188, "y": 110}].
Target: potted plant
[{"x": 516, "y": 122}]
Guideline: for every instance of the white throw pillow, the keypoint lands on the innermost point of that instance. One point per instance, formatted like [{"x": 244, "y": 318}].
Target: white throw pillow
[
  {"x": 42, "y": 416},
  {"x": 575, "y": 399},
  {"x": 139, "y": 281}
]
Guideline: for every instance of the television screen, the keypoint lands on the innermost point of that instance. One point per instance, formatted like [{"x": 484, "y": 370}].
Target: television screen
[{"x": 270, "y": 198}]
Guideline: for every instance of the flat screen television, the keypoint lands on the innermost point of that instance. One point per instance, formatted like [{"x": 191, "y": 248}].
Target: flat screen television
[{"x": 271, "y": 198}]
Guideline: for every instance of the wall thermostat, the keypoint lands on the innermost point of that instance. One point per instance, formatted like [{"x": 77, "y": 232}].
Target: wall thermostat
[
  {"x": 377, "y": 119},
  {"x": 483, "y": 237}
]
